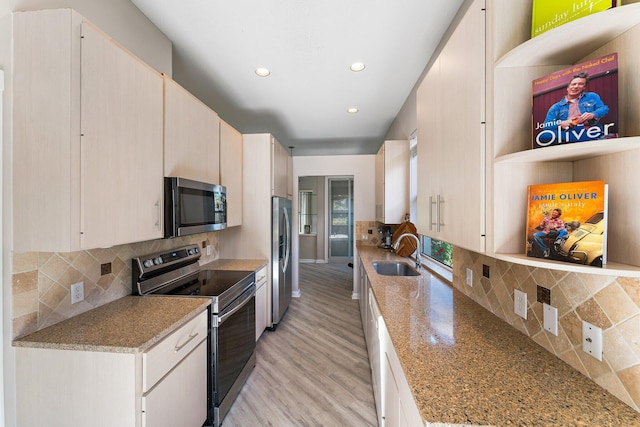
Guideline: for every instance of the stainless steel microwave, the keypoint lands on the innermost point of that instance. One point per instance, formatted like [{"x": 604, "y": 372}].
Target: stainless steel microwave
[{"x": 192, "y": 207}]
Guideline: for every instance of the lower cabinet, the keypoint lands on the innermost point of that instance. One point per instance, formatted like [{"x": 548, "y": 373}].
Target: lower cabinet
[
  {"x": 261, "y": 301},
  {"x": 395, "y": 405},
  {"x": 163, "y": 386}
]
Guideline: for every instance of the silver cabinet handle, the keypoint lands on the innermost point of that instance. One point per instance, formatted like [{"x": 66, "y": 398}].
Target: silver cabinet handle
[
  {"x": 157, "y": 205},
  {"x": 180, "y": 347},
  {"x": 431, "y": 203},
  {"x": 439, "y": 201}
]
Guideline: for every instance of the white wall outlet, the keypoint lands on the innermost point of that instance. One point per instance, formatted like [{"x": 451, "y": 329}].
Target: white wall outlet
[
  {"x": 520, "y": 303},
  {"x": 550, "y": 316},
  {"x": 469, "y": 277},
  {"x": 77, "y": 292},
  {"x": 208, "y": 250},
  {"x": 592, "y": 340}
]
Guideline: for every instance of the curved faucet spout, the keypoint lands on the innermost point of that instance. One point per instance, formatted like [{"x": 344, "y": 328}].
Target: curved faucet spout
[{"x": 397, "y": 244}]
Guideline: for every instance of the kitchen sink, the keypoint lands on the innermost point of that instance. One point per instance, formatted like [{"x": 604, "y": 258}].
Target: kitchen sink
[{"x": 391, "y": 268}]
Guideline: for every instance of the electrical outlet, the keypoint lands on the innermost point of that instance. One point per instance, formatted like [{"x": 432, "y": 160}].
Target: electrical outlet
[
  {"x": 470, "y": 277},
  {"x": 208, "y": 250},
  {"x": 592, "y": 340},
  {"x": 550, "y": 318},
  {"x": 520, "y": 303},
  {"x": 77, "y": 292}
]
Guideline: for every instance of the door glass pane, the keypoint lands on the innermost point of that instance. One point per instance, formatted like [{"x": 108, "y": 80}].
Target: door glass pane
[{"x": 341, "y": 217}]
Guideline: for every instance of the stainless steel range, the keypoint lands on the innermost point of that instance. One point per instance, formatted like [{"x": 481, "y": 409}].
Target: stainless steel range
[{"x": 232, "y": 323}]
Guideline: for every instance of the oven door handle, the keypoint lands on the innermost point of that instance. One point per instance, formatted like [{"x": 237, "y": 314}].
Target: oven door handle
[{"x": 220, "y": 318}]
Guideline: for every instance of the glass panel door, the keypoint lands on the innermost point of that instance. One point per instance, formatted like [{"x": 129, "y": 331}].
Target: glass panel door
[{"x": 340, "y": 219}]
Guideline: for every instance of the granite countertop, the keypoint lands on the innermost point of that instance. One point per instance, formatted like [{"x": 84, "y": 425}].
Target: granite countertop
[
  {"x": 235, "y": 264},
  {"x": 467, "y": 366},
  {"x": 128, "y": 325}
]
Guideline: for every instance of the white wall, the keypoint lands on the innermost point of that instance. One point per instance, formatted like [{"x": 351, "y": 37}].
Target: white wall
[
  {"x": 362, "y": 168},
  {"x": 126, "y": 24}
]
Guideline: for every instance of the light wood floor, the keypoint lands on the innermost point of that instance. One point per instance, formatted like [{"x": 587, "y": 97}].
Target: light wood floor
[{"x": 313, "y": 370}]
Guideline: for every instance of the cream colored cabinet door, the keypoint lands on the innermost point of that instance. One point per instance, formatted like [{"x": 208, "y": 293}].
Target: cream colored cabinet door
[
  {"x": 279, "y": 169},
  {"x": 261, "y": 301},
  {"x": 121, "y": 145},
  {"x": 87, "y": 137},
  {"x": 180, "y": 398},
  {"x": 231, "y": 171},
  {"x": 451, "y": 138},
  {"x": 392, "y": 182},
  {"x": 191, "y": 136}
]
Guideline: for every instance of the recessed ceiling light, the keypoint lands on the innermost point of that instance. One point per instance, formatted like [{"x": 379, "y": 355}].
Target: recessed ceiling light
[
  {"x": 352, "y": 110},
  {"x": 357, "y": 66},
  {"x": 262, "y": 72}
]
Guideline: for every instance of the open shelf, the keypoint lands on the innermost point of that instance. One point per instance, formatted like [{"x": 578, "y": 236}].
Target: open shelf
[
  {"x": 572, "y": 152},
  {"x": 578, "y": 38},
  {"x": 610, "y": 269}
]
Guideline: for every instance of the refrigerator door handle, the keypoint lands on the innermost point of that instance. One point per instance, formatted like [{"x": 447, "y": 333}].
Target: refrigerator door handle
[{"x": 287, "y": 240}]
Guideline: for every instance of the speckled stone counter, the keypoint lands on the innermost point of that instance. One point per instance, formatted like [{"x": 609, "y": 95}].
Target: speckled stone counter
[
  {"x": 466, "y": 366},
  {"x": 128, "y": 325},
  {"x": 235, "y": 264}
]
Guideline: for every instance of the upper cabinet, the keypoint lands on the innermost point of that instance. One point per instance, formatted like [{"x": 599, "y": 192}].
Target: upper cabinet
[
  {"x": 451, "y": 138},
  {"x": 281, "y": 171},
  {"x": 191, "y": 136},
  {"x": 517, "y": 61},
  {"x": 87, "y": 123},
  {"x": 392, "y": 182},
  {"x": 231, "y": 171}
]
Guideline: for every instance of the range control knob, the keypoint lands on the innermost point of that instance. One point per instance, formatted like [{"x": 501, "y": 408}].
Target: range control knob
[
  {"x": 157, "y": 261},
  {"x": 147, "y": 263},
  {"x": 193, "y": 251}
]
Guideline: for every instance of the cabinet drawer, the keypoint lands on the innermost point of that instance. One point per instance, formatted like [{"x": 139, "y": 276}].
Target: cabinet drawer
[
  {"x": 161, "y": 358},
  {"x": 261, "y": 277}
]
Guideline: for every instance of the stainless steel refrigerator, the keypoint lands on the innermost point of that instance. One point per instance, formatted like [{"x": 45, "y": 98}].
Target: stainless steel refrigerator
[{"x": 280, "y": 258}]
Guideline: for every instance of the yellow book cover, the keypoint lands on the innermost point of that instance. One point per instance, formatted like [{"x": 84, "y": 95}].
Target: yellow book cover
[
  {"x": 548, "y": 14},
  {"x": 568, "y": 222}
]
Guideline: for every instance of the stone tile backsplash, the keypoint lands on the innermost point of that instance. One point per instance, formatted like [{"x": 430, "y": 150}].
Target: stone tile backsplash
[
  {"x": 42, "y": 280},
  {"x": 611, "y": 303}
]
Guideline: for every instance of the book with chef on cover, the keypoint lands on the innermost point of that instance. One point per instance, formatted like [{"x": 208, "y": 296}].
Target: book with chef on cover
[
  {"x": 576, "y": 104},
  {"x": 568, "y": 222},
  {"x": 548, "y": 14}
]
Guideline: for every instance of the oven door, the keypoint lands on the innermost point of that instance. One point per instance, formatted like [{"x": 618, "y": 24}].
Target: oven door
[{"x": 233, "y": 343}]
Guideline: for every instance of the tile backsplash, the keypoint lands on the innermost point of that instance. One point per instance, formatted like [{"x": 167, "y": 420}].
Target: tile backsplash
[
  {"x": 609, "y": 302},
  {"x": 42, "y": 280}
]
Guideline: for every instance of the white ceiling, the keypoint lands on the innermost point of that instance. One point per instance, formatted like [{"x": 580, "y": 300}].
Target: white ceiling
[{"x": 308, "y": 47}]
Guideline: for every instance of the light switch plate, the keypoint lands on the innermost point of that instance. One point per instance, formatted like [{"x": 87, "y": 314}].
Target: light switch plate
[
  {"x": 469, "y": 277},
  {"x": 592, "y": 340},
  {"x": 550, "y": 316},
  {"x": 520, "y": 303}
]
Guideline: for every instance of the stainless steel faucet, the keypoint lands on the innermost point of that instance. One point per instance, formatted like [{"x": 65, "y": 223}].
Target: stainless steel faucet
[{"x": 397, "y": 243}]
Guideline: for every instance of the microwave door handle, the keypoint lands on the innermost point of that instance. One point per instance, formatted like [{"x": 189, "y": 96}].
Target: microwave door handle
[{"x": 287, "y": 240}]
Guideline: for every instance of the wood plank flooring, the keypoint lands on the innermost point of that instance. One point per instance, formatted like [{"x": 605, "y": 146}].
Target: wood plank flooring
[{"x": 313, "y": 370}]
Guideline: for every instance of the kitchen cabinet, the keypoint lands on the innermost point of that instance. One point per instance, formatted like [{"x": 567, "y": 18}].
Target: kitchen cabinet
[
  {"x": 191, "y": 136},
  {"x": 451, "y": 138},
  {"x": 400, "y": 405},
  {"x": 87, "y": 122},
  {"x": 395, "y": 404},
  {"x": 165, "y": 385},
  {"x": 253, "y": 239},
  {"x": 517, "y": 61},
  {"x": 231, "y": 171},
  {"x": 281, "y": 168},
  {"x": 392, "y": 182},
  {"x": 261, "y": 301}
]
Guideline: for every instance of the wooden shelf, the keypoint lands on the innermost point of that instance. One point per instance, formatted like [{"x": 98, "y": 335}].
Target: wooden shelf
[
  {"x": 579, "y": 38},
  {"x": 610, "y": 269},
  {"x": 572, "y": 152}
]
